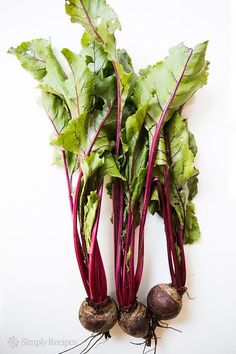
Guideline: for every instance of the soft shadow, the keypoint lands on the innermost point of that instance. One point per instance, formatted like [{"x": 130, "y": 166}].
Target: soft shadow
[{"x": 117, "y": 332}]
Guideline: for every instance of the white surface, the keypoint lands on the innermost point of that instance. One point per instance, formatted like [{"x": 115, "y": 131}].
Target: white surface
[{"x": 40, "y": 283}]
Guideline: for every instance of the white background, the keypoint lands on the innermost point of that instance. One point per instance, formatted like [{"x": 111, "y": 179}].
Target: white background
[{"x": 40, "y": 283}]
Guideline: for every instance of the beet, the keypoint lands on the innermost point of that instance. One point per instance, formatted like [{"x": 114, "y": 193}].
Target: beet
[
  {"x": 135, "y": 322},
  {"x": 98, "y": 318},
  {"x": 164, "y": 301}
]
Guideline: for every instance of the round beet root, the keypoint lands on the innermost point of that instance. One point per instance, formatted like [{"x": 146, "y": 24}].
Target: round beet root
[
  {"x": 164, "y": 301},
  {"x": 136, "y": 321},
  {"x": 98, "y": 319}
]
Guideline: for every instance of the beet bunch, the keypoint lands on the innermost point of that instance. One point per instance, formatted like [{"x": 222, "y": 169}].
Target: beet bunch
[{"x": 109, "y": 121}]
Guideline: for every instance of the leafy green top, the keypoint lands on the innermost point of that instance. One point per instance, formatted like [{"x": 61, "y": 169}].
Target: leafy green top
[
  {"x": 98, "y": 91},
  {"x": 99, "y": 20},
  {"x": 177, "y": 77}
]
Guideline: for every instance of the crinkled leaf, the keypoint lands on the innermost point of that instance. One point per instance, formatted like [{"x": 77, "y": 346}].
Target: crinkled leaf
[
  {"x": 56, "y": 110},
  {"x": 79, "y": 135},
  {"x": 192, "y": 230},
  {"x": 133, "y": 126},
  {"x": 192, "y": 187},
  {"x": 91, "y": 164},
  {"x": 59, "y": 117},
  {"x": 125, "y": 60},
  {"x": 124, "y": 142},
  {"x": 105, "y": 88},
  {"x": 38, "y": 58},
  {"x": 178, "y": 199},
  {"x": 129, "y": 108},
  {"x": 95, "y": 55},
  {"x": 185, "y": 209},
  {"x": 104, "y": 82},
  {"x": 29, "y": 55},
  {"x": 72, "y": 138},
  {"x": 109, "y": 167},
  {"x": 170, "y": 83},
  {"x": 182, "y": 158},
  {"x": 90, "y": 211},
  {"x": 166, "y": 87},
  {"x": 81, "y": 80},
  {"x": 134, "y": 142},
  {"x": 192, "y": 143},
  {"x": 98, "y": 18},
  {"x": 125, "y": 80},
  {"x": 137, "y": 152},
  {"x": 100, "y": 21}
]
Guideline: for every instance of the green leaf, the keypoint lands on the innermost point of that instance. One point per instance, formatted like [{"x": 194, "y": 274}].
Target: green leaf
[
  {"x": 124, "y": 141},
  {"x": 125, "y": 80},
  {"x": 192, "y": 187},
  {"x": 80, "y": 133},
  {"x": 71, "y": 160},
  {"x": 100, "y": 21},
  {"x": 136, "y": 142},
  {"x": 192, "y": 143},
  {"x": 98, "y": 18},
  {"x": 109, "y": 167},
  {"x": 181, "y": 156},
  {"x": 29, "y": 55},
  {"x": 154, "y": 201},
  {"x": 73, "y": 138},
  {"x": 38, "y": 58},
  {"x": 125, "y": 60},
  {"x": 179, "y": 199},
  {"x": 138, "y": 184},
  {"x": 58, "y": 115},
  {"x": 91, "y": 164},
  {"x": 133, "y": 126},
  {"x": 94, "y": 53},
  {"x": 177, "y": 153},
  {"x": 105, "y": 88},
  {"x": 192, "y": 230},
  {"x": 56, "y": 111},
  {"x": 161, "y": 157},
  {"x": 170, "y": 83},
  {"x": 90, "y": 211},
  {"x": 81, "y": 80},
  {"x": 185, "y": 209}
]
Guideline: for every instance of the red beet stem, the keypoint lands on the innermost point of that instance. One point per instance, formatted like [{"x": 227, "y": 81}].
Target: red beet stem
[
  {"x": 118, "y": 202},
  {"x": 98, "y": 290},
  {"x": 68, "y": 180},
  {"x": 125, "y": 275}
]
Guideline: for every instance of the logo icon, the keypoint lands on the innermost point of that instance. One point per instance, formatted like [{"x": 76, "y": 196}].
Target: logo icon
[{"x": 13, "y": 341}]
